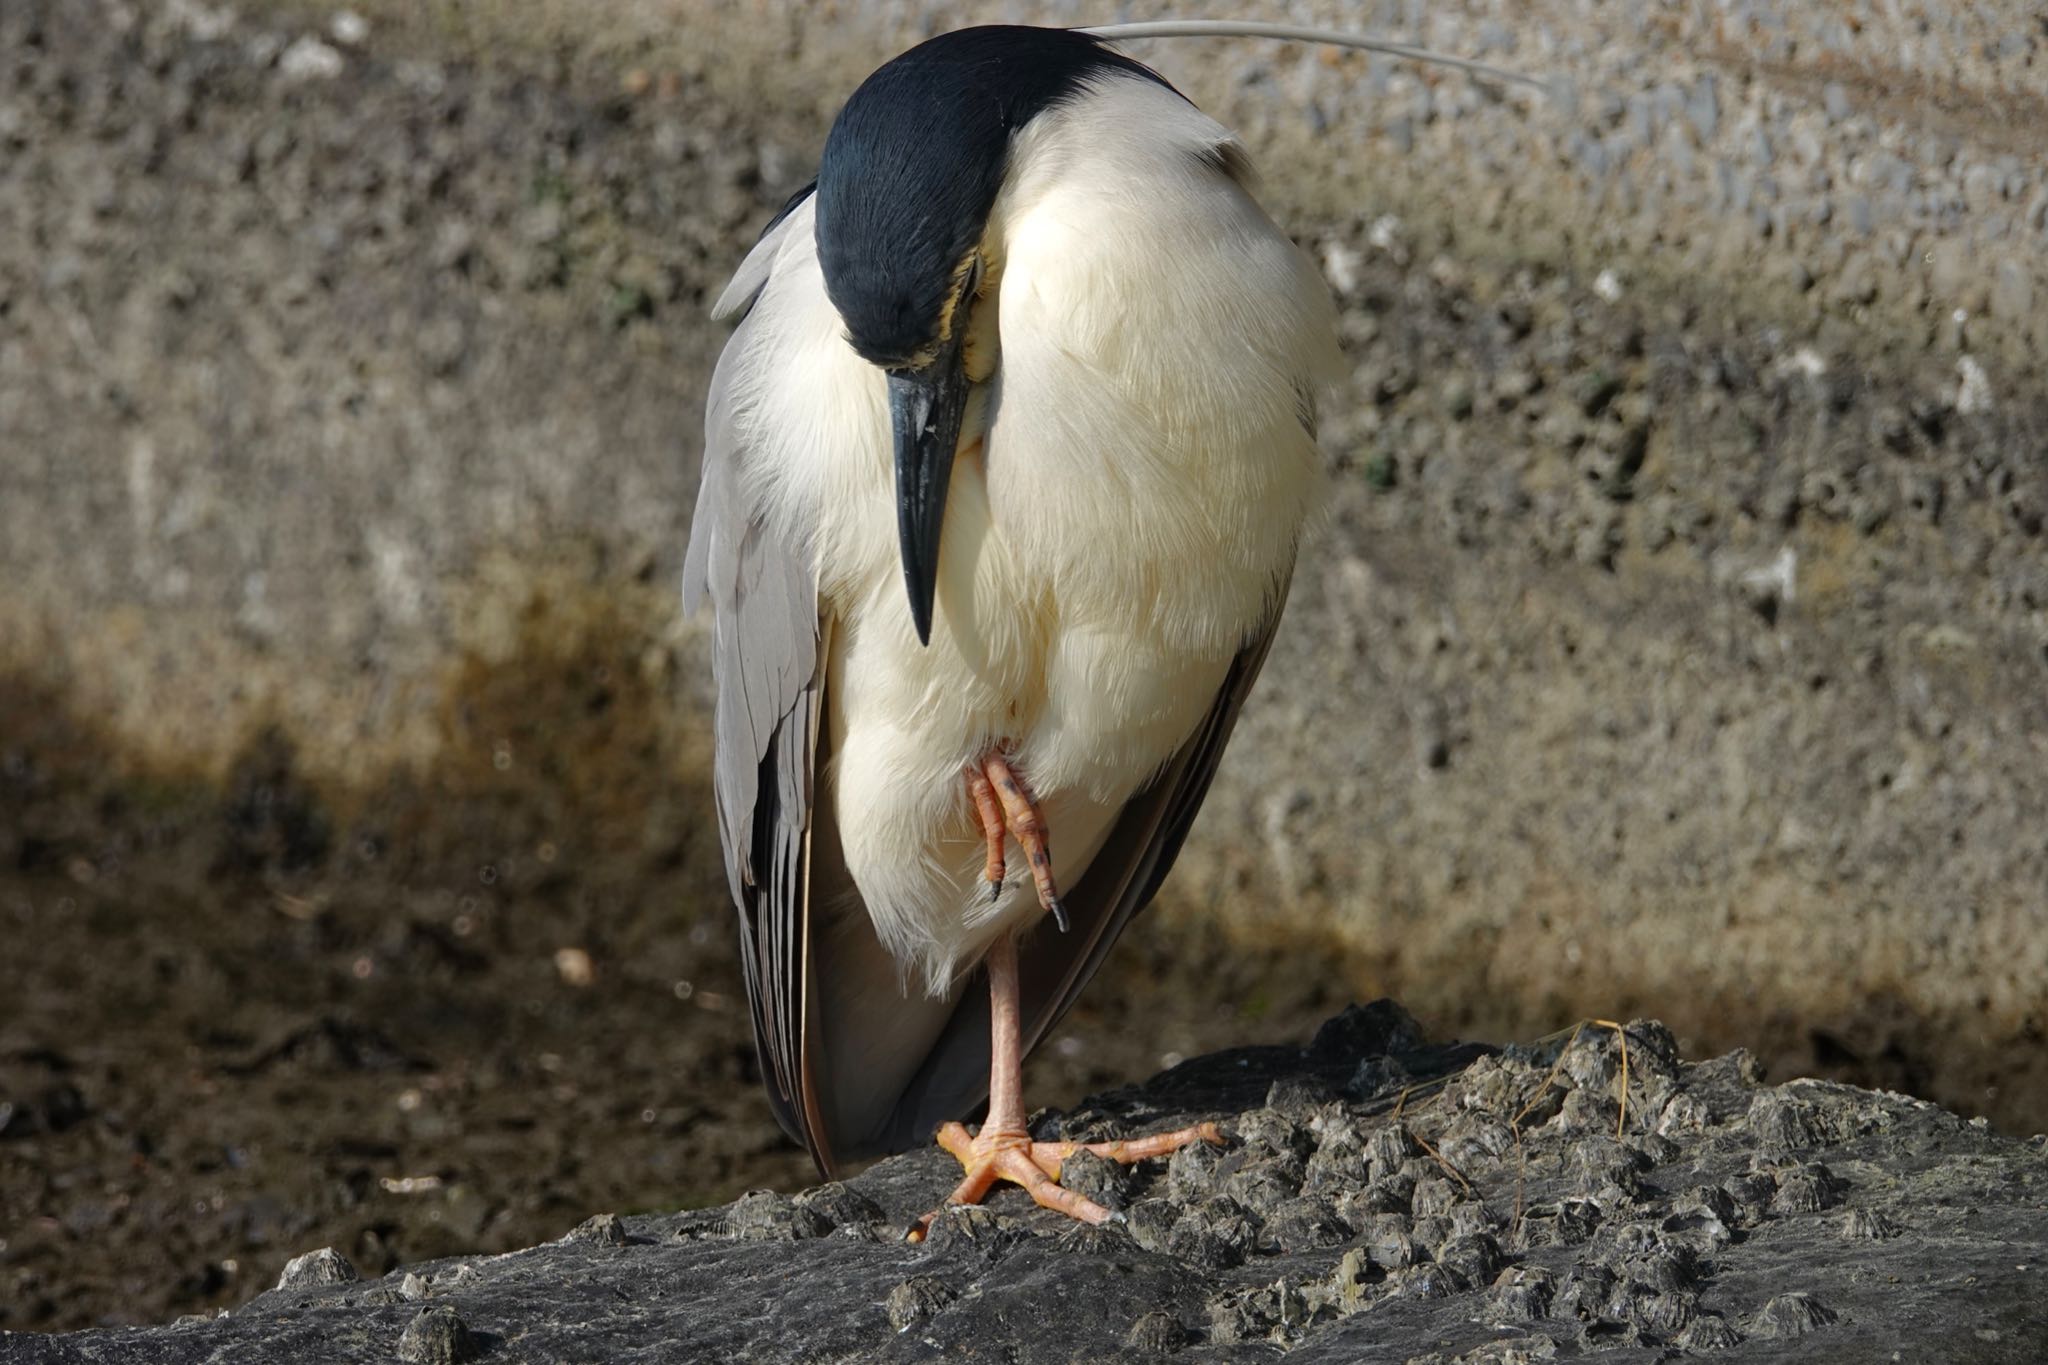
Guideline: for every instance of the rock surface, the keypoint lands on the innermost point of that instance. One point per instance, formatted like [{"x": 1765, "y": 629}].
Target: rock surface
[{"x": 1379, "y": 1200}]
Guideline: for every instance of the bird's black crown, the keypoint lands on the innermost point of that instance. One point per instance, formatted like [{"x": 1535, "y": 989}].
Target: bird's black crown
[{"x": 913, "y": 163}]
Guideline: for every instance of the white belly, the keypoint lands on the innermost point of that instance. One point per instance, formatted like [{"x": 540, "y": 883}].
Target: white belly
[{"x": 1086, "y": 689}]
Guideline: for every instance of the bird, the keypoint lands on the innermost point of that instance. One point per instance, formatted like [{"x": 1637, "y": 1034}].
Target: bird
[{"x": 1006, "y": 467}]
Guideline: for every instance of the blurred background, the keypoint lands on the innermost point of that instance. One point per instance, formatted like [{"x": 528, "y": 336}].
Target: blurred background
[{"x": 1676, "y": 642}]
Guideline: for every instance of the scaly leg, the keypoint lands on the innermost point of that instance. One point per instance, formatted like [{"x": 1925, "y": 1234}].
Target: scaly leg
[{"x": 1003, "y": 1149}]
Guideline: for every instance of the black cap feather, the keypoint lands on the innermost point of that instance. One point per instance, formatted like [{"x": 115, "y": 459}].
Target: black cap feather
[{"x": 913, "y": 164}]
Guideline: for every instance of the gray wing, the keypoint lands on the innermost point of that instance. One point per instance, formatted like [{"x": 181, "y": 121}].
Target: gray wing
[
  {"x": 765, "y": 661},
  {"x": 1120, "y": 882}
]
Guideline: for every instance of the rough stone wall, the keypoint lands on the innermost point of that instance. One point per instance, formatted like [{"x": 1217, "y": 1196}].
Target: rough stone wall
[{"x": 1678, "y": 636}]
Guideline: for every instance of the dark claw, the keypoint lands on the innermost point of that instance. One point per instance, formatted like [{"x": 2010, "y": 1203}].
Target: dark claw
[
  {"x": 1059, "y": 915},
  {"x": 995, "y": 891}
]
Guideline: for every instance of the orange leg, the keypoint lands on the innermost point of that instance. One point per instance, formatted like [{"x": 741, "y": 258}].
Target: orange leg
[{"x": 1003, "y": 1149}]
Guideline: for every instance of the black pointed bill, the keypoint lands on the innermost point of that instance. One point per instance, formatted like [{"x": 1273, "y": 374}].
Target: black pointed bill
[{"x": 926, "y": 405}]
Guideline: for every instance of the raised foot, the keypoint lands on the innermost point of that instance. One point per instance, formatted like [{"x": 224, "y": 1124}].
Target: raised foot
[
  {"x": 1003, "y": 804},
  {"x": 1013, "y": 1156}
]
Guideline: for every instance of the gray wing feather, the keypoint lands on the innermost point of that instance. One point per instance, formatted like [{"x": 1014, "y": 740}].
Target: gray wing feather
[
  {"x": 1121, "y": 881},
  {"x": 746, "y": 282},
  {"x": 765, "y": 652}
]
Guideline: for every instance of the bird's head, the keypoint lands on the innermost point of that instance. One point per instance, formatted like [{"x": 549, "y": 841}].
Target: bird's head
[{"x": 911, "y": 170}]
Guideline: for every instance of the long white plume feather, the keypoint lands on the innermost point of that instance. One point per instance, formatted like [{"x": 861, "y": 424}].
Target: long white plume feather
[{"x": 1295, "y": 33}]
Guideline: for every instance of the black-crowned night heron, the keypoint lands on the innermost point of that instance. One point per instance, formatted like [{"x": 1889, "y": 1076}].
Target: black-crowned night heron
[{"x": 1029, "y": 348}]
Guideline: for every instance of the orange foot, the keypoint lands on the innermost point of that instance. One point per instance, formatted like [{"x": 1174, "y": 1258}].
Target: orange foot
[
  {"x": 1003, "y": 804},
  {"x": 1013, "y": 1156}
]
